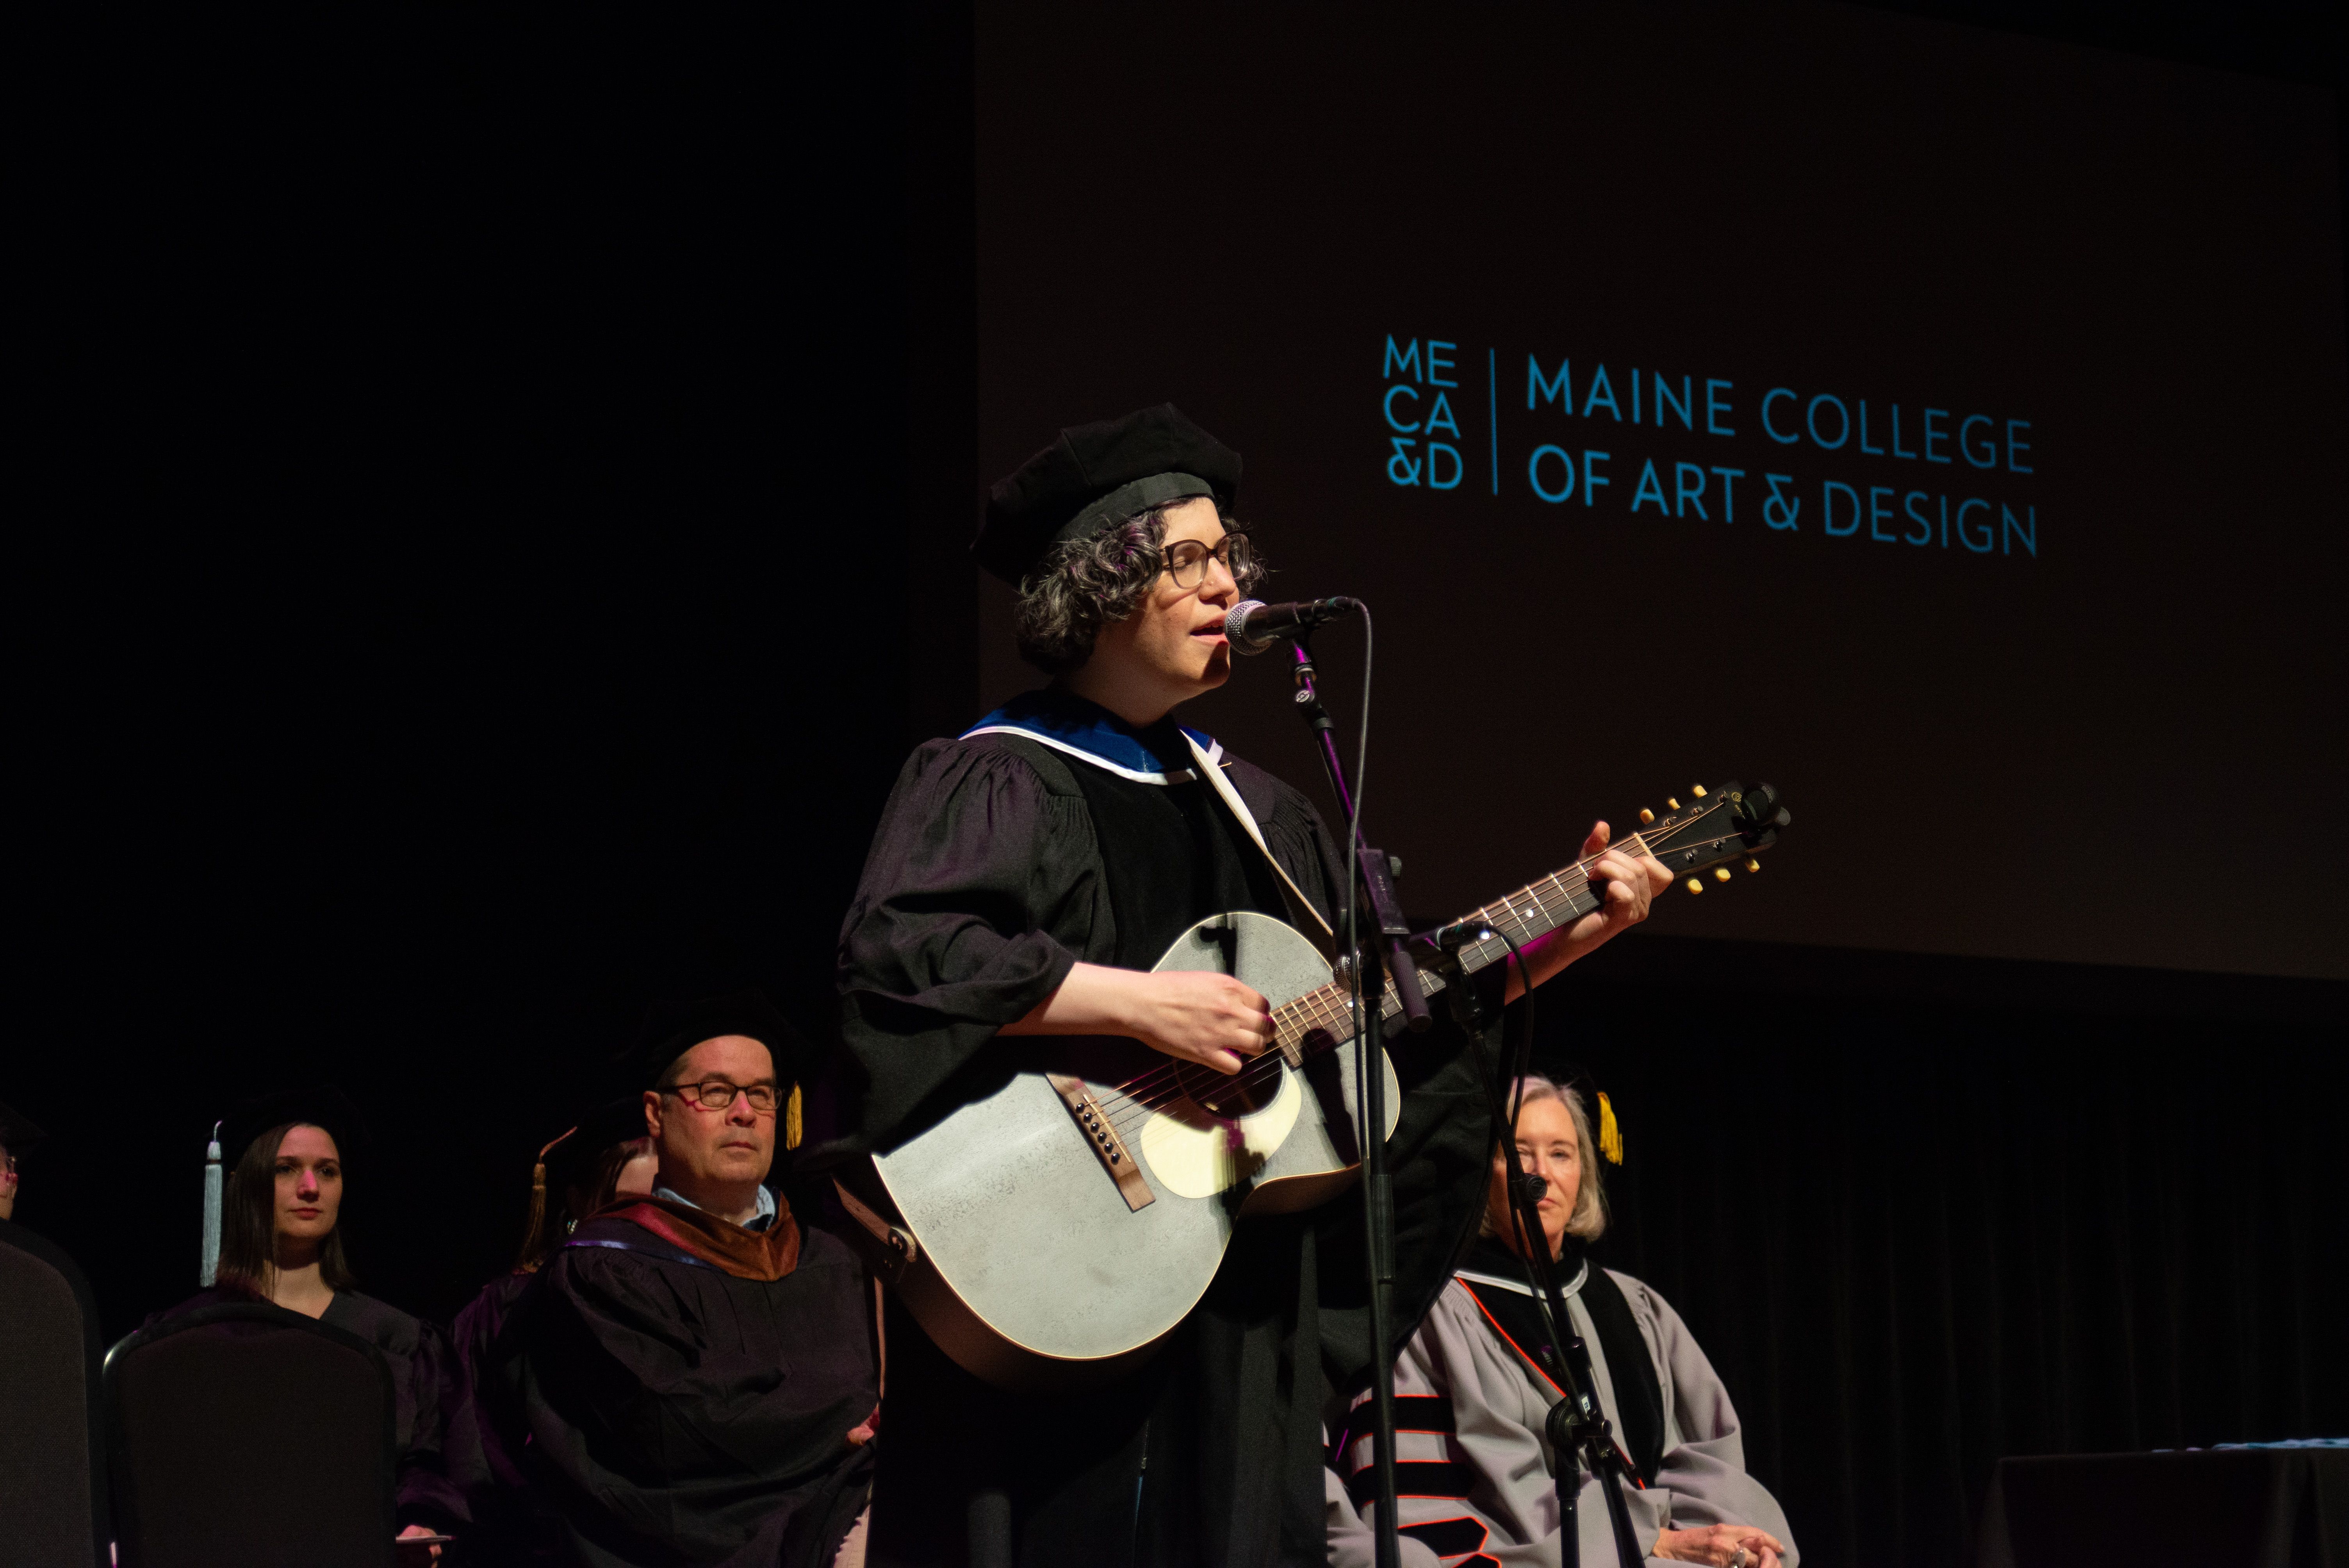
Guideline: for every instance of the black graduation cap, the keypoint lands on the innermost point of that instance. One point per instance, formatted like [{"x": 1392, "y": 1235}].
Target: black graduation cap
[
  {"x": 1605, "y": 1127},
  {"x": 18, "y": 1133},
  {"x": 1096, "y": 476},
  {"x": 672, "y": 1029},
  {"x": 319, "y": 1105},
  {"x": 571, "y": 1158}
]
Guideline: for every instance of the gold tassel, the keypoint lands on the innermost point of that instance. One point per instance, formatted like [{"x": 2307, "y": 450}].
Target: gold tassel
[
  {"x": 537, "y": 1214},
  {"x": 532, "y": 1257},
  {"x": 791, "y": 1120},
  {"x": 1611, "y": 1136}
]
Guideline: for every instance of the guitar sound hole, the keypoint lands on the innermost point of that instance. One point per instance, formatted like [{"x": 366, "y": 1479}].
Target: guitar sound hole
[{"x": 1255, "y": 1087}]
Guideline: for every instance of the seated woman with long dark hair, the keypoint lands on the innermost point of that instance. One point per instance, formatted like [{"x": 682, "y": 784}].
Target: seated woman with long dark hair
[
  {"x": 281, "y": 1243},
  {"x": 1479, "y": 1378}
]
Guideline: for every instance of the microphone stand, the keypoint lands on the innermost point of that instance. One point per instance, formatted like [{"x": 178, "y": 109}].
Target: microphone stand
[
  {"x": 1375, "y": 871},
  {"x": 1578, "y": 1431},
  {"x": 1375, "y": 876}
]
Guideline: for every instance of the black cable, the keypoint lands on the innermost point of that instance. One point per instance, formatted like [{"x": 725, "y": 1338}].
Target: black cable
[
  {"x": 1355, "y": 851},
  {"x": 1564, "y": 1458},
  {"x": 1523, "y": 1063},
  {"x": 1519, "y": 1066},
  {"x": 1368, "y": 1058},
  {"x": 1354, "y": 965}
]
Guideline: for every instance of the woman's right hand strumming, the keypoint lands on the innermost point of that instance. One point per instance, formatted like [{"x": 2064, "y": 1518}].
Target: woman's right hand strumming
[{"x": 1193, "y": 1016}]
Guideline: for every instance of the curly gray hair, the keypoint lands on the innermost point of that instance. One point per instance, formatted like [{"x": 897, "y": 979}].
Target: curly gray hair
[{"x": 1084, "y": 584}]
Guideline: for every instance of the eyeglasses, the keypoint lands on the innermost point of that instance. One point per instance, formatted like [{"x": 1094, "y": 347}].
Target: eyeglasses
[
  {"x": 1186, "y": 559},
  {"x": 716, "y": 1094}
]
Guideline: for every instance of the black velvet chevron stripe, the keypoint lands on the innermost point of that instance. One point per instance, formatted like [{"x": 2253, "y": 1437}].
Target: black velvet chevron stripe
[
  {"x": 1448, "y": 1537},
  {"x": 1423, "y": 1413},
  {"x": 1415, "y": 1478},
  {"x": 1414, "y": 1413}
]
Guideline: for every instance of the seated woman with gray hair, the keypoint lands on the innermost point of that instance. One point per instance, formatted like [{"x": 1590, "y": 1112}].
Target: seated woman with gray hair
[{"x": 1475, "y": 1386}]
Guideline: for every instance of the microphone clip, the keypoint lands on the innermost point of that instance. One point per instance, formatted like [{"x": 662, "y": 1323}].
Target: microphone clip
[
  {"x": 1440, "y": 950},
  {"x": 1450, "y": 939}
]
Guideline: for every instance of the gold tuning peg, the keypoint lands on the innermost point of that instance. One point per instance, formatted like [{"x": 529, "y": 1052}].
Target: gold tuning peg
[
  {"x": 1671, "y": 804},
  {"x": 1695, "y": 885},
  {"x": 1721, "y": 873},
  {"x": 1646, "y": 816},
  {"x": 1700, "y": 791},
  {"x": 1752, "y": 864}
]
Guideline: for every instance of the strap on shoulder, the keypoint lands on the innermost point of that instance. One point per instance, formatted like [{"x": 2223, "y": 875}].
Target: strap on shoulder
[{"x": 1302, "y": 913}]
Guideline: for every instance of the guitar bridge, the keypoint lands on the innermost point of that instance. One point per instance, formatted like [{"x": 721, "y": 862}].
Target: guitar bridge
[{"x": 1102, "y": 1133}]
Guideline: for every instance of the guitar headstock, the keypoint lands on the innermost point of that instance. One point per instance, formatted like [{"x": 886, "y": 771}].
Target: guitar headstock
[{"x": 1718, "y": 825}]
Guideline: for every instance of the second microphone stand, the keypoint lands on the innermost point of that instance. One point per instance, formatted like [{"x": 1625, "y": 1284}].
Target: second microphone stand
[
  {"x": 1578, "y": 1431},
  {"x": 1391, "y": 942}
]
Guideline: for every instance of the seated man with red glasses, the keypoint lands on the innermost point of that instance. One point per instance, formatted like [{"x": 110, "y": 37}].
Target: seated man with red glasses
[{"x": 695, "y": 1371}]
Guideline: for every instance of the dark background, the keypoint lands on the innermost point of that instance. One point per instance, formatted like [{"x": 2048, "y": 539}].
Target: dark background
[
  {"x": 2141, "y": 259},
  {"x": 488, "y": 528}
]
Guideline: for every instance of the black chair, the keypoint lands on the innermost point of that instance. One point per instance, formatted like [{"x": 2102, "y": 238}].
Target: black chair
[
  {"x": 52, "y": 1454},
  {"x": 252, "y": 1436}
]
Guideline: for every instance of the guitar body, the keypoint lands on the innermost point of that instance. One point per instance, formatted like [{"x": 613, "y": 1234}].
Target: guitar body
[
  {"x": 1029, "y": 1263},
  {"x": 1053, "y": 1234}
]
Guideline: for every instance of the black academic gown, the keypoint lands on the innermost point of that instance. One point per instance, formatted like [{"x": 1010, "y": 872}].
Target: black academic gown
[
  {"x": 486, "y": 1433},
  {"x": 998, "y": 864},
  {"x": 423, "y": 1384},
  {"x": 675, "y": 1413}
]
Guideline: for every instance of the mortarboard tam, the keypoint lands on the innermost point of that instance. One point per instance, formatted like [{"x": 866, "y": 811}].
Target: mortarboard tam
[
  {"x": 672, "y": 1029},
  {"x": 319, "y": 1105},
  {"x": 569, "y": 1159},
  {"x": 1608, "y": 1129},
  {"x": 1096, "y": 476},
  {"x": 18, "y": 1133}
]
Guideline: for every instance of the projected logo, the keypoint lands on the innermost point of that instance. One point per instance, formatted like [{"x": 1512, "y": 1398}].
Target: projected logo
[{"x": 1709, "y": 448}]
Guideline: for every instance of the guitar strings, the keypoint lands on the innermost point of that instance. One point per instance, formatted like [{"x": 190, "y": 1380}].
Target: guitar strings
[{"x": 1326, "y": 1008}]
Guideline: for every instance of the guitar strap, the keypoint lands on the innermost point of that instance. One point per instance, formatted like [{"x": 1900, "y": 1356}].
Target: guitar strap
[{"x": 1302, "y": 913}]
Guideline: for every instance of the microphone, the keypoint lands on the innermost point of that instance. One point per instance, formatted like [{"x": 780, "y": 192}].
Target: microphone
[{"x": 1254, "y": 625}]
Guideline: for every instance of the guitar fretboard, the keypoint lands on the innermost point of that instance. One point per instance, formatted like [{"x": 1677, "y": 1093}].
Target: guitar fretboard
[{"x": 1533, "y": 911}]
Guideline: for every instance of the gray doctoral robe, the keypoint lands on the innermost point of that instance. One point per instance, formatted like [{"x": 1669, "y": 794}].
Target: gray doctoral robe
[{"x": 1501, "y": 1454}]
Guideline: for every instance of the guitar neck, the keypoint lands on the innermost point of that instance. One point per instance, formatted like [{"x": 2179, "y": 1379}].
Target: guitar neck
[{"x": 1533, "y": 911}]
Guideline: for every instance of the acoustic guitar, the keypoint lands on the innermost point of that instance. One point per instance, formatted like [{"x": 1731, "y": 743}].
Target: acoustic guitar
[{"x": 1054, "y": 1233}]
